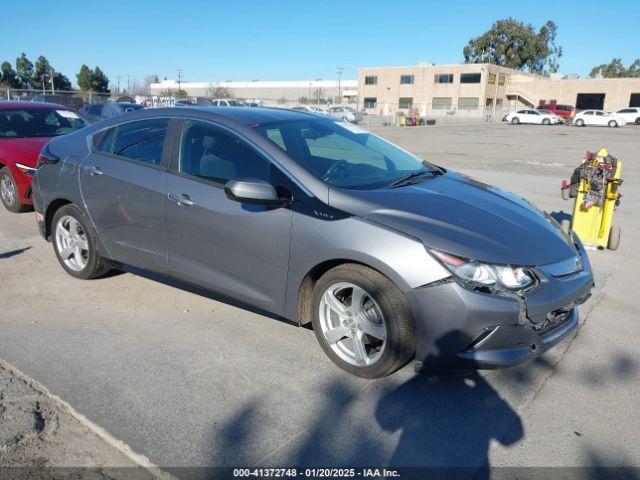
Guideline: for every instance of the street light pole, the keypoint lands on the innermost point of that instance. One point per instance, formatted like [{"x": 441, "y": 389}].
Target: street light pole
[{"x": 339, "y": 71}]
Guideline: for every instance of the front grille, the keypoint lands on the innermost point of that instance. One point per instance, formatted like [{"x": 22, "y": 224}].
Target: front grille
[{"x": 553, "y": 320}]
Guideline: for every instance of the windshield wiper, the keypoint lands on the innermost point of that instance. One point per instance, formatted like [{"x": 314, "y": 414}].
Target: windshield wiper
[{"x": 409, "y": 178}]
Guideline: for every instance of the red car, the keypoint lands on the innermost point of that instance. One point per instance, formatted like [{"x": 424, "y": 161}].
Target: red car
[
  {"x": 25, "y": 127},
  {"x": 563, "y": 111}
]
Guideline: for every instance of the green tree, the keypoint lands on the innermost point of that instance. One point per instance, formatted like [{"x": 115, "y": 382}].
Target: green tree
[
  {"x": 24, "y": 71},
  {"x": 42, "y": 72},
  {"x": 514, "y": 44},
  {"x": 616, "y": 69},
  {"x": 93, "y": 80},
  {"x": 84, "y": 78},
  {"x": 99, "y": 81},
  {"x": 9, "y": 78},
  {"x": 61, "y": 82}
]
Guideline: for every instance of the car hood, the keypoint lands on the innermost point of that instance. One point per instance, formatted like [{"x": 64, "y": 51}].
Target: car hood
[
  {"x": 464, "y": 217},
  {"x": 23, "y": 150}
]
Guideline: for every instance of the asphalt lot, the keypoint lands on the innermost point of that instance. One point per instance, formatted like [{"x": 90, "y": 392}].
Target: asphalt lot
[{"x": 187, "y": 380}]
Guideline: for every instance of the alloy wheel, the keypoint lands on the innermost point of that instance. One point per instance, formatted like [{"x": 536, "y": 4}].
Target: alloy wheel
[
  {"x": 8, "y": 190},
  {"x": 352, "y": 324},
  {"x": 72, "y": 243}
]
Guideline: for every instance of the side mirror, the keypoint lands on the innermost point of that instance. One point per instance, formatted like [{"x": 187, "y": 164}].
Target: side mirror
[{"x": 253, "y": 191}]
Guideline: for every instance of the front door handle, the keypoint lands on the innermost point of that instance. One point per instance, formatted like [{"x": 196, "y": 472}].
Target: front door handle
[
  {"x": 93, "y": 170},
  {"x": 181, "y": 199}
]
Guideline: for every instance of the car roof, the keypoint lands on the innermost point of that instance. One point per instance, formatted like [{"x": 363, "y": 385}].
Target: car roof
[
  {"x": 9, "y": 105},
  {"x": 244, "y": 116}
]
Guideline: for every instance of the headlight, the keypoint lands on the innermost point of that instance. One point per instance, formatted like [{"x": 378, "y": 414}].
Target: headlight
[
  {"x": 25, "y": 169},
  {"x": 498, "y": 277}
]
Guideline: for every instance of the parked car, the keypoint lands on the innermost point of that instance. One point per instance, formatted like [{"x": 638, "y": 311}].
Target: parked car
[
  {"x": 630, "y": 115},
  {"x": 346, "y": 114},
  {"x": 387, "y": 256},
  {"x": 310, "y": 109},
  {"x": 227, "y": 102},
  {"x": 99, "y": 111},
  {"x": 532, "y": 116},
  {"x": 563, "y": 111},
  {"x": 597, "y": 118},
  {"x": 24, "y": 129}
]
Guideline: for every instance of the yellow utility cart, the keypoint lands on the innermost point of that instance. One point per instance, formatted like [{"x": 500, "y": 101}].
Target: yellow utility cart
[{"x": 594, "y": 186}]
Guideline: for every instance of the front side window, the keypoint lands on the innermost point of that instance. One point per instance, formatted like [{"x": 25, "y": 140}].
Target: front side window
[
  {"x": 406, "y": 79},
  {"x": 344, "y": 156},
  {"x": 142, "y": 141},
  {"x": 371, "y": 80},
  {"x": 470, "y": 77},
  {"x": 212, "y": 154},
  {"x": 40, "y": 122}
]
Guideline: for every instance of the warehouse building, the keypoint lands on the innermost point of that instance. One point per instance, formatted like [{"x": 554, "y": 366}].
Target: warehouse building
[
  {"x": 466, "y": 89},
  {"x": 270, "y": 91}
]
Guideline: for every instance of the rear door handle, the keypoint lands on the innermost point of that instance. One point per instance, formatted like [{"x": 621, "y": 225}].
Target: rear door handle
[
  {"x": 181, "y": 199},
  {"x": 93, "y": 170}
]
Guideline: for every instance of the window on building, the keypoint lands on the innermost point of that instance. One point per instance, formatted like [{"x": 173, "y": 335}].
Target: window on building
[
  {"x": 443, "y": 78},
  {"x": 501, "y": 79},
  {"x": 470, "y": 77},
  {"x": 634, "y": 100},
  {"x": 441, "y": 103},
  {"x": 406, "y": 79},
  {"x": 370, "y": 102},
  {"x": 142, "y": 141},
  {"x": 371, "y": 80},
  {"x": 468, "y": 103},
  {"x": 405, "y": 102},
  {"x": 492, "y": 79}
]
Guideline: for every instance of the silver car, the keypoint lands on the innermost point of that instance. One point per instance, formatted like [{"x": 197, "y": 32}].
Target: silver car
[{"x": 388, "y": 257}]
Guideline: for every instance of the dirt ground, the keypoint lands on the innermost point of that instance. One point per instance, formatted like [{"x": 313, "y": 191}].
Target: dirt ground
[{"x": 42, "y": 437}]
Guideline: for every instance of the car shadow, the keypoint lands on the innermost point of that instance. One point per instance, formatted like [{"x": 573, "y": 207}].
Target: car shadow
[
  {"x": 13, "y": 253},
  {"x": 560, "y": 216},
  {"x": 444, "y": 425}
]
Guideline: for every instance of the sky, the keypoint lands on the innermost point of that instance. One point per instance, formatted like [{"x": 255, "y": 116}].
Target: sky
[{"x": 295, "y": 39}]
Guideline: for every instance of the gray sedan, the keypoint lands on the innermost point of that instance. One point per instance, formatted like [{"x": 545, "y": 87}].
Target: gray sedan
[{"x": 388, "y": 257}]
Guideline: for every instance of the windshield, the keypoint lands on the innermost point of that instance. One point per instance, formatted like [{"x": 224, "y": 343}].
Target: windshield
[
  {"x": 343, "y": 155},
  {"x": 40, "y": 122}
]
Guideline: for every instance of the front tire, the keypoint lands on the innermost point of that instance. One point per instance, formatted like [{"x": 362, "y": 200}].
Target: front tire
[
  {"x": 546, "y": 121},
  {"x": 362, "y": 321},
  {"x": 9, "y": 192},
  {"x": 76, "y": 245}
]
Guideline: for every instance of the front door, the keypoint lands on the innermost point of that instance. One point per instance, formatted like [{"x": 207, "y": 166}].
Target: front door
[
  {"x": 122, "y": 183},
  {"x": 236, "y": 249}
]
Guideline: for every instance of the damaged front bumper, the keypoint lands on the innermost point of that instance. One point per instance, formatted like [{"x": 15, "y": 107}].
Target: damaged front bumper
[{"x": 457, "y": 328}]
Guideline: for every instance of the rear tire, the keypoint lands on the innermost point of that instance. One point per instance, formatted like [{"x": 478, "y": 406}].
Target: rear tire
[
  {"x": 515, "y": 120},
  {"x": 613, "y": 123},
  {"x": 638, "y": 121},
  {"x": 9, "y": 192},
  {"x": 76, "y": 244},
  {"x": 384, "y": 307},
  {"x": 579, "y": 123}
]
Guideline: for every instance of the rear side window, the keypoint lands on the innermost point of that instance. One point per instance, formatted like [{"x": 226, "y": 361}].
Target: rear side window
[
  {"x": 103, "y": 141},
  {"x": 142, "y": 141}
]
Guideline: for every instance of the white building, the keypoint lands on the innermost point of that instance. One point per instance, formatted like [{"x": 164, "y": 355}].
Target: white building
[{"x": 274, "y": 91}]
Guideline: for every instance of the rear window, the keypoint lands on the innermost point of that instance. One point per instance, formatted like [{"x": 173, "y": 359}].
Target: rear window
[{"x": 39, "y": 122}]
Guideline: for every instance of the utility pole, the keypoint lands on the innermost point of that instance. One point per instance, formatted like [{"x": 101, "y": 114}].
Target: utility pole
[
  {"x": 179, "y": 79},
  {"x": 53, "y": 88},
  {"x": 339, "y": 71},
  {"x": 129, "y": 84},
  {"x": 118, "y": 77}
]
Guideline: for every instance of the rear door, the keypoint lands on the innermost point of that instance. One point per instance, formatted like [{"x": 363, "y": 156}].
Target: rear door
[
  {"x": 236, "y": 249},
  {"x": 122, "y": 183}
]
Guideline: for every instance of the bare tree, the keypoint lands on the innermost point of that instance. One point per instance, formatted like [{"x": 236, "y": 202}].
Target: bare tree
[{"x": 217, "y": 91}]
